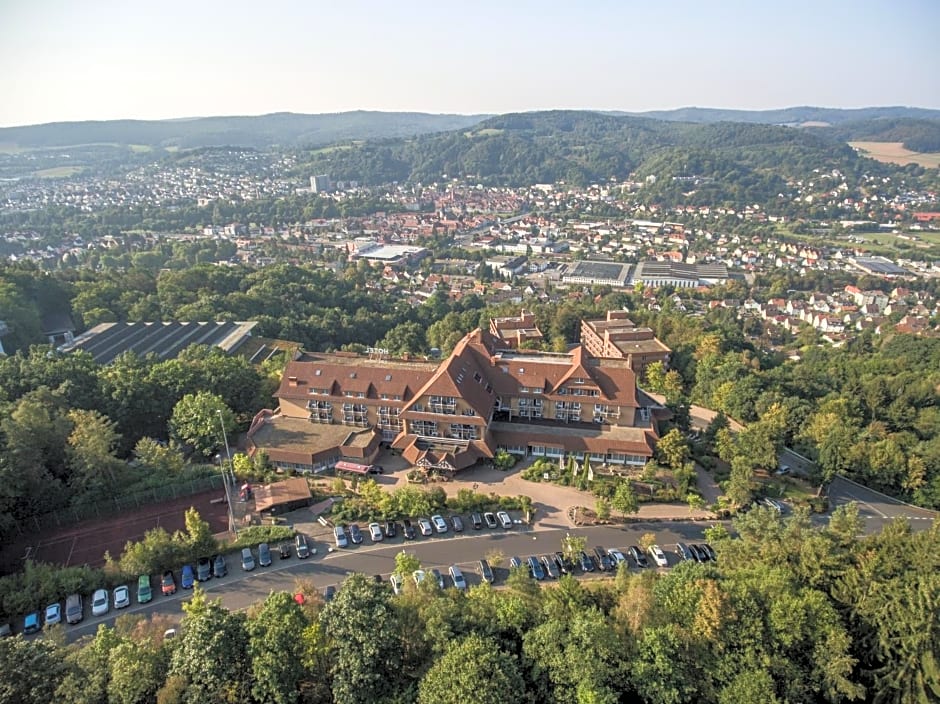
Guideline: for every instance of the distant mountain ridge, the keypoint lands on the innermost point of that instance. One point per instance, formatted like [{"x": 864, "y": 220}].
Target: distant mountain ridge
[
  {"x": 288, "y": 130},
  {"x": 276, "y": 129},
  {"x": 788, "y": 116}
]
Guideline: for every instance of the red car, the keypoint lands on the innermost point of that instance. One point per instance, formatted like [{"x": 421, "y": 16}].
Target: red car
[{"x": 168, "y": 585}]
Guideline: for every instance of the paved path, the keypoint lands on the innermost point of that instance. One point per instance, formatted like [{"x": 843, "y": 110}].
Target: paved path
[{"x": 876, "y": 508}]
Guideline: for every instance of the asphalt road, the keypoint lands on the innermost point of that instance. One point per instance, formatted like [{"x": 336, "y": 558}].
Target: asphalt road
[
  {"x": 876, "y": 508},
  {"x": 240, "y": 589}
]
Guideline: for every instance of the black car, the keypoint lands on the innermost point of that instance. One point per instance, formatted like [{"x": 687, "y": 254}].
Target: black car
[
  {"x": 486, "y": 572},
  {"x": 604, "y": 563},
  {"x": 301, "y": 546},
  {"x": 329, "y": 593},
  {"x": 535, "y": 568},
  {"x": 355, "y": 535},
  {"x": 408, "y": 530},
  {"x": 204, "y": 569},
  {"x": 710, "y": 551},
  {"x": 551, "y": 567},
  {"x": 390, "y": 529},
  {"x": 283, "y": 551},
  {"x": 457, "y": 523},
  {"x": 585, "y": 562},
  {"x": 698, "y": 554},
  {"x": 218, "y": 566},
  {"x": 476, "y": 521},
  {"x": 638, "y": 557},
  {"x": 564, "y": 566}
]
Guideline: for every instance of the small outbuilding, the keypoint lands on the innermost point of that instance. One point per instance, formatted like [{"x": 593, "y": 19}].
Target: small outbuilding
[{"x": 282, "y": 497}]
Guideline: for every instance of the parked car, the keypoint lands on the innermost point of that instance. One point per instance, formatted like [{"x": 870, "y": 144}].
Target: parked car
[
  {"x": 355, "y": 535},
  {"x": 784, "y": 469},
  {"x": 31, "y": 623},
  {"x": 396, "y": 582},
  {"x": 301, "y": 546},
  {"x": 437, "y": 576},
  {"x": 74, "y": 608},
  {"x": 408, "y": 530},
  {"x": 248, "y": 560},
  {"x": 564, "y": 566},
  {"x": 440, "y": 525},
  {"x": 376, "y": 469},
  {"x": 121, "y": 598},
  {"x": 698, "y": 554},
  {"x": 219, "y": 568},
  {"x": 535, "y": 568},
  {"x": 329, "y": 593},
  {"x": 264, "y": 555},
  {"x": 144, "y": 592},
  {"x": 490, "y": 520},
  {"x": 375, "y": 532},
  {"x": 457, "y": 576},
  {"x": 551, "y": 569},
  {"x": 585, "y": 562},
  {"x": 710, "y": 551},
  {"x": 683, "y": 552},
  {"x": 514, "y": 562},
  {"x": 486, "y": 572},
  {"x": 425, "y": 526},
  {"x": 187, "y": 577},
  {"x": 53, "y": 614},
  {"x": 390, "y": 529},
  {"x": 504, "y": 520},
  {"x": 168, "y": 583},
  {"x": 204, "y": 569},
  {"x": 659, "y": 557},
  {"x": 418, "y": 576},
  {"x": 476, "y": 521},
  {"x": 283, "y": 551},
  {"x": 617, "y": 556},
  {"x": 6, "y": 630},
  {"x": 604, "y": 563},
  {"x": 100, "y": 603},
  {"x": 339, "y": 535},
  {"x": 774, "y": 504},
  {"x": 457, "y": 523},
  {"x": 638, "y": 557}
]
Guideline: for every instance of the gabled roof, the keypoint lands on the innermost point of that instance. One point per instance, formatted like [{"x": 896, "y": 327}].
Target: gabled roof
[{"x": 339, "y": 373}]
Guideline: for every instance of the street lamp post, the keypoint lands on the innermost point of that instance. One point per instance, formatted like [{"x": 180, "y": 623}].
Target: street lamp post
[{"x": 225, "y": 478}]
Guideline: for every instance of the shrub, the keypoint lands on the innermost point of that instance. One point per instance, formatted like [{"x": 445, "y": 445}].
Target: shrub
[
  {"x": 255, "y": 535},
  {"x": 40, "y": 584}
]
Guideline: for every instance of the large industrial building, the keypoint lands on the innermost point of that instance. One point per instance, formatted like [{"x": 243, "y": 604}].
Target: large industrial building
[{"x": 447, "y": 416}]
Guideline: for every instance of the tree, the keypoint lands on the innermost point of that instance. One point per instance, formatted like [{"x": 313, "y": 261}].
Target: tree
[
  {"x": 572, "y": 546},
  {"x": 30, "y": 670},
  {"x": 602, "y": 509},
  {"x": 211, "y": 652},
  {"x": 406, "y": 563},
  {"x": 158, "y": 457},
  {"x": 196, "y": 422},
  {"x": 625, "y": 499},
  {"x": 673, "y": 449},
  {"x": 275, "y": 650},
  {"x": 137, "y": 670},
  {"x": 473, "y": 669},
  {"x": 199, "y": 536},
  {"x": 363, "y": 630},
  {"x": 91, "y": 447}
]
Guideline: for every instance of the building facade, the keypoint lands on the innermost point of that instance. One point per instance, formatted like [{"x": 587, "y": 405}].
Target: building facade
[
  {"x": 481, "y": 399},
  {"x": 618, "y": 337}
]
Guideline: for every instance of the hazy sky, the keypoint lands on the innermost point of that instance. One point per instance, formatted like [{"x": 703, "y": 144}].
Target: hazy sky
[{"x": 104, "y": 59}]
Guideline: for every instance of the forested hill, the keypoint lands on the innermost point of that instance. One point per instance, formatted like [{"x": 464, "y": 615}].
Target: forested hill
[
  {"x": 916, "y": 135},
  {"x": 588, "y": 147},
  {"x": 790, "y": 116},
  {"x": 277, "y": 129}
]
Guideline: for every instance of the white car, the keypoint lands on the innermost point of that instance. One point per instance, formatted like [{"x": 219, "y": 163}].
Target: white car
[
  {"x": 425, "y": 525},
  {"x": 53, "y": 614},
  {"x": 504, "y": 520},
  {"x": 375, "y": 532},
  {"x": 339, "y": 535},
  {"x": 616, "y": 556},
  {"x": 396, "y": 583},
  {"x": 99, "y": 602},
  {"x": 659, "y": 557},
  {"x": 440, "y": 525},
  {"x": 418, "y": 576},
  {"x": 122, "y": 597},
  {"x": 457, "y": 576}
]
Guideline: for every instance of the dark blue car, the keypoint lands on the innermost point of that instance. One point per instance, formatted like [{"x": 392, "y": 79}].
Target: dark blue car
[{"x": 187, "y": 577}]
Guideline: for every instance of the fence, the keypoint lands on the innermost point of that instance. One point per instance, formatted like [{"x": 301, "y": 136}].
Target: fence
[{"x": 105, "y": 508}]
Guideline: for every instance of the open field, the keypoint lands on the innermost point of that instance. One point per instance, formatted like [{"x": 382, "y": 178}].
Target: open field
[
  {"x": 895, "y": 153},
  {"x": 58, "y": 172}
]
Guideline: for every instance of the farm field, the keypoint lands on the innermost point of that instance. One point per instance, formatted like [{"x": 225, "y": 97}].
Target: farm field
[{"x": 895, "y": 153}]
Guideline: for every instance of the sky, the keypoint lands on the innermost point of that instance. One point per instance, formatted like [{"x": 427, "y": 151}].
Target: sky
[{"x": 107, "y": 59}]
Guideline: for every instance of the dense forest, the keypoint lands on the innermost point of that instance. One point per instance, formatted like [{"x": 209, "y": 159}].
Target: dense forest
[
  {"x": 788, "y": 613},
  {"x": 578, "y": 148},
  {"x": 916, "y": 135}
]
